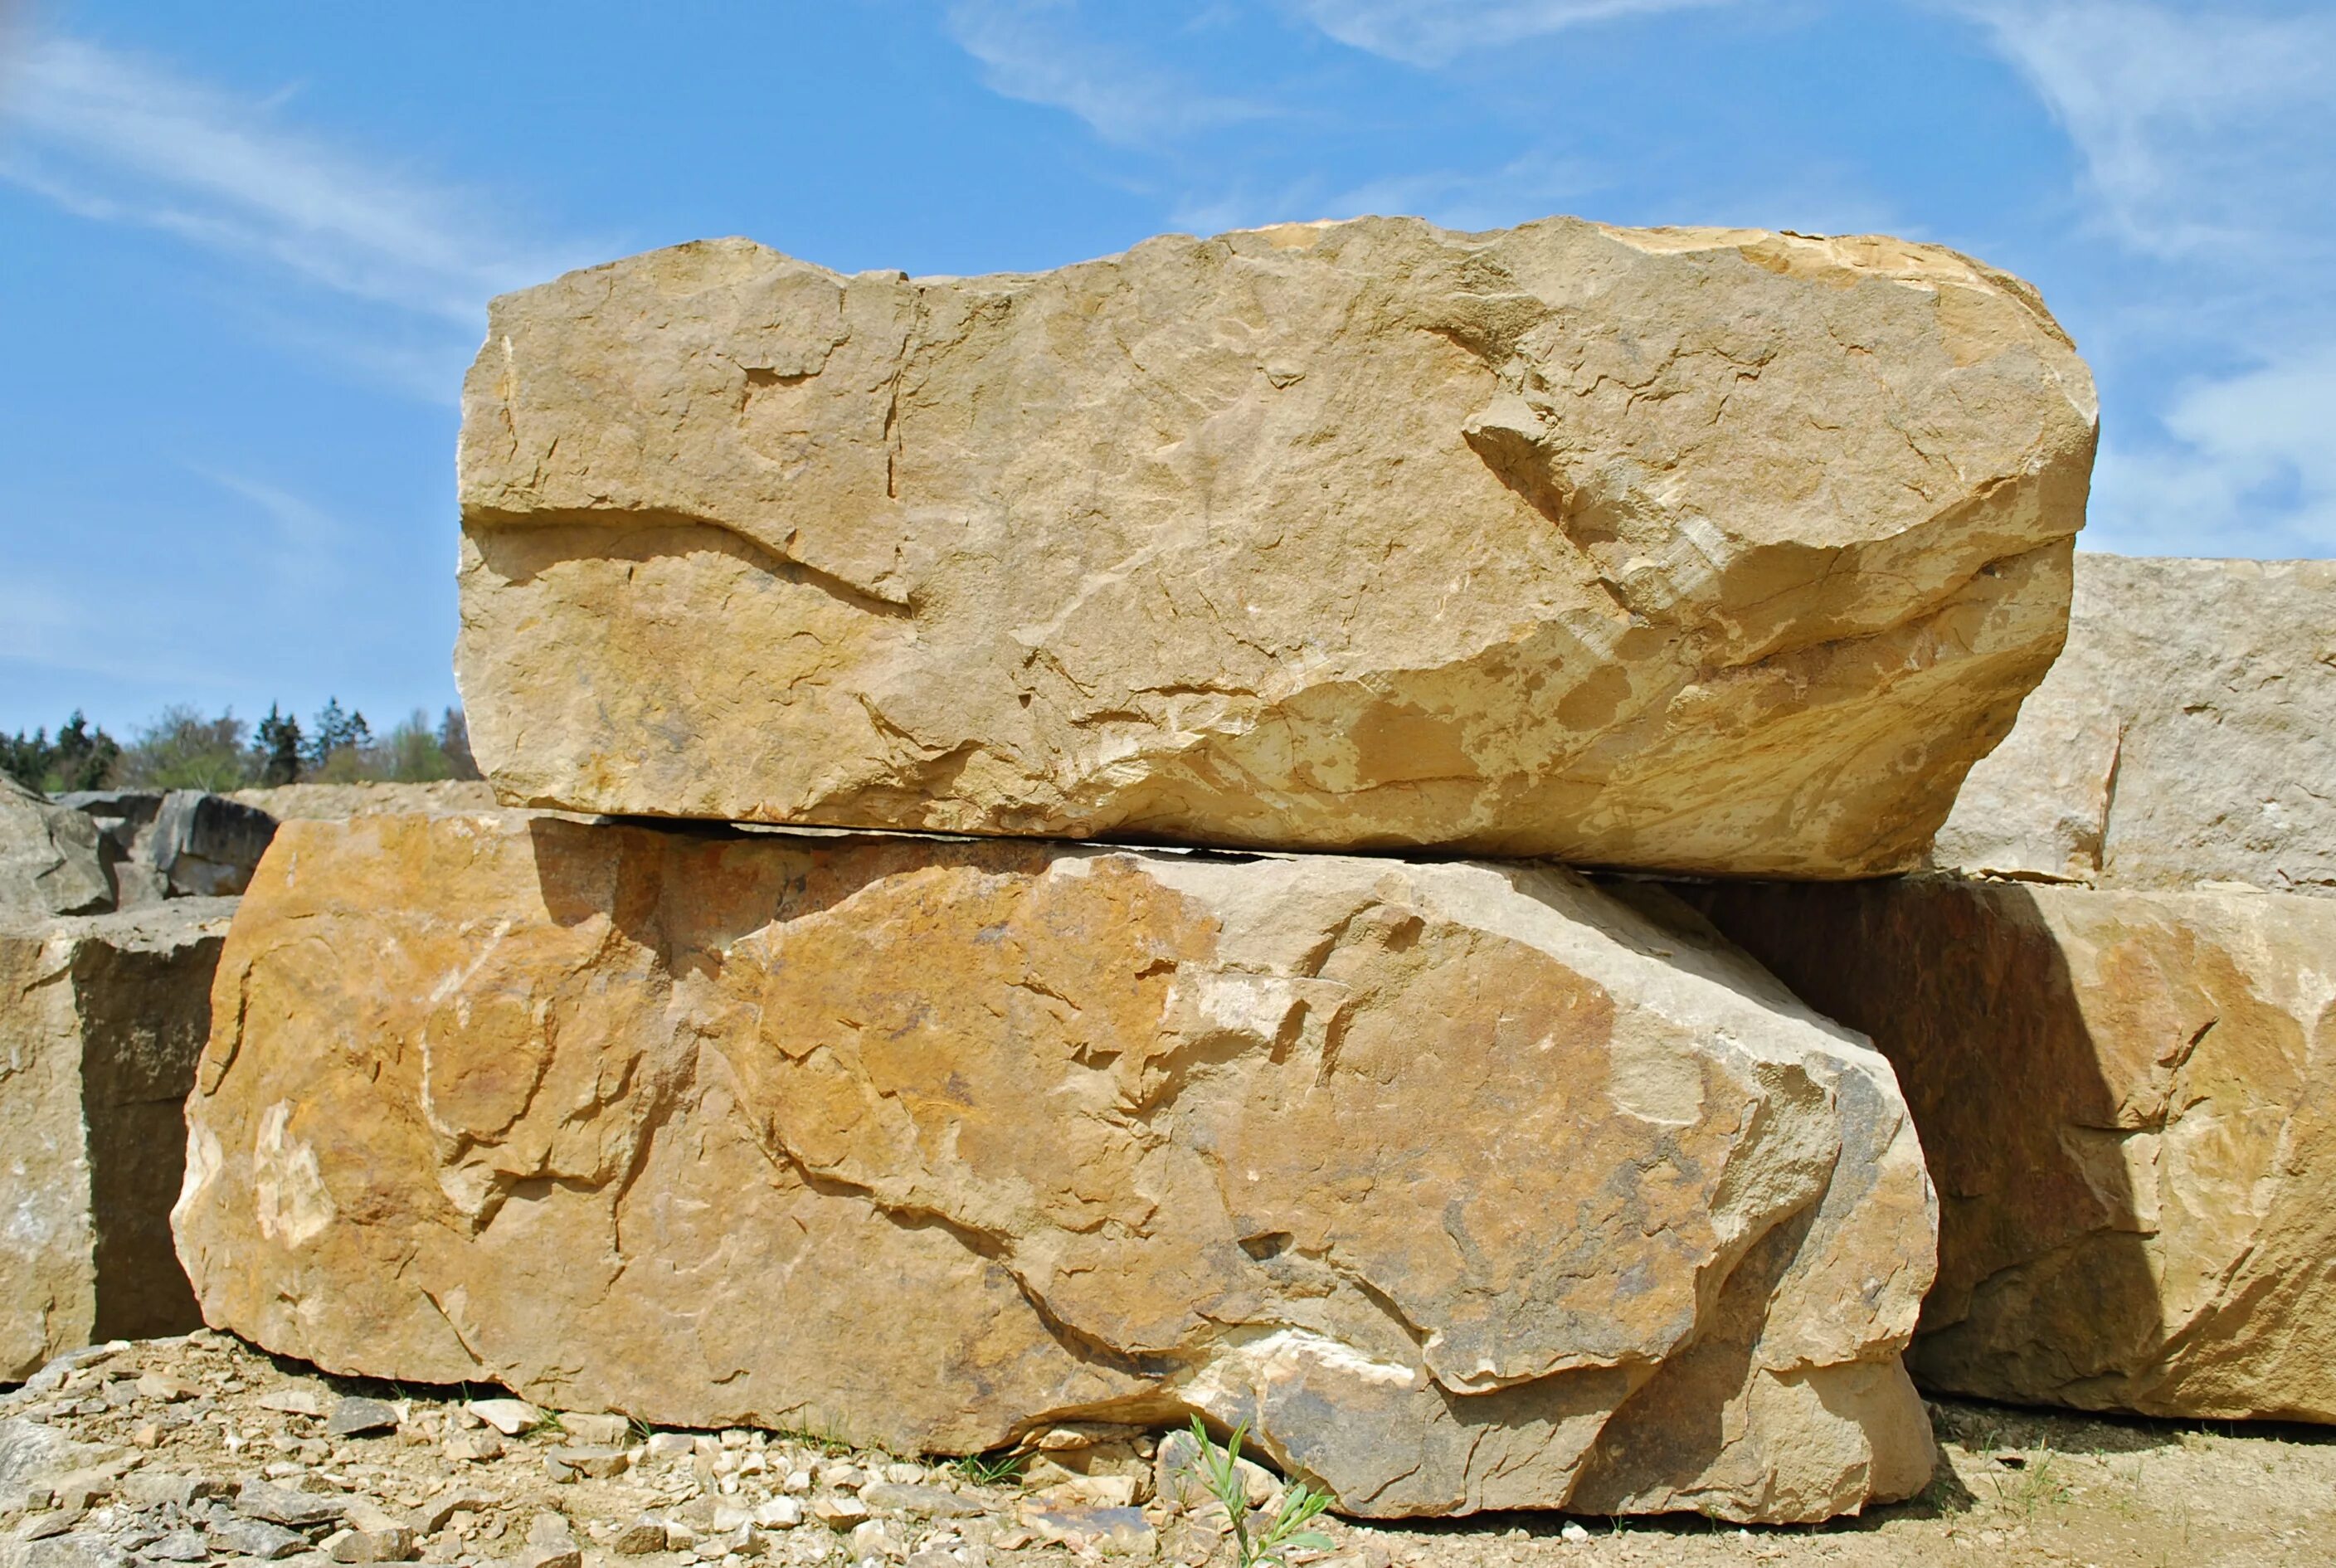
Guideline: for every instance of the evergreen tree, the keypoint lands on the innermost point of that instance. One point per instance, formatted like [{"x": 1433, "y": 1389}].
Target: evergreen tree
[
  {"x": 328, "y": 732},
  {"x": 455, "y": 740},
  {"x": 80, "y": 758},
  {"x": 278, "y": 748},
  {"x": 85, "y": 757}
]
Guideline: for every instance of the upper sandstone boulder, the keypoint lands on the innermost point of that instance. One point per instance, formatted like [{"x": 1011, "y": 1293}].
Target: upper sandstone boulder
[
  {"x": 1713, "y": 550},
  {"x": 2187, "y": 735},
  {"x": 1465, "y": 1186}
]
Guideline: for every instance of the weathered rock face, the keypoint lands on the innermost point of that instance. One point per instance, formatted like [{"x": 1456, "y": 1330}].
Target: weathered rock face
[
  {"x": 174, "y": 843},
  {"x": 102, "y": 1020},
  {"x": 1467, "y": 1186},
  {"x": 2187, "y": 735},
  {"x": 334, "y": 801},
  {"x": 2128, "y": 1101},
  {"x": 1709, "y": 550},
  {"x": 48, "y": 860}
]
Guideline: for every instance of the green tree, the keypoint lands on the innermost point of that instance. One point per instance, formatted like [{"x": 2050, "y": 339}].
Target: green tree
[
  {"x": 275, "y": 752},
  {"x": 80, "y": 758},
  {"x": 338, "y": 742},
  {"x": 181, "y": 749},
  {"x": 455, "y": 740}
]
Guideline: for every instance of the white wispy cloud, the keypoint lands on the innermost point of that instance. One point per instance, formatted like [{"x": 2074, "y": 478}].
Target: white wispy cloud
[
  {"x": 1434, "y": 33},
  {"x": 2207, "y": 139},
  {"x": 119, "y": 139},
  {"x": 1531, "y": 186},
  {"x": 1046, "y": 52},
  {"x": 2257, "y": 445},
  {"x": 2203, "y": 127},
  {"x": 301, "y": 545}
]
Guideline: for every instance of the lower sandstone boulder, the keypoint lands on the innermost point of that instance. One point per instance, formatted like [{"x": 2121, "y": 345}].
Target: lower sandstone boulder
[
  {"x": 102, "y": 1020},
  {"x": 2186, "y": 734},
  {"x": 2129, "y": 1101},
  {"x": 1467, "y": 1186}
]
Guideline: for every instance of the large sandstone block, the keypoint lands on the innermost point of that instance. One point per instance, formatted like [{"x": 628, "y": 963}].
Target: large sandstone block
[
  {"x": 2186, "y": 734},
  {"x": 102, "y": 1020},
  {"x": 1713, "y": 550},
  {"x": 1467, "y": 1186},
  {"x": 2128, "y": 1101}
]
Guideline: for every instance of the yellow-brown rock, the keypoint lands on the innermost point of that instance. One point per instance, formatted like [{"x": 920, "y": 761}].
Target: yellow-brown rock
[
  {"x": 1713, "y": 550},
  {"x": 2186, "y": 734},
  {"x": 2128, "y": 1102},
  {"x": 1467, "y": 1186}
]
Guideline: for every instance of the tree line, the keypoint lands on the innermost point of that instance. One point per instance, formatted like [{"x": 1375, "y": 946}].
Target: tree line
[{"x": 182, "y": 748}]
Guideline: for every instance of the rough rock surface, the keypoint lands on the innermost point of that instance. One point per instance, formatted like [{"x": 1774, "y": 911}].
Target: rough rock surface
[
  {"x": 174, "y": 843},
  {"x": 330, "y": 802},
  {"x": 2187, "y": 735},
  {"x": 1713, "y": 550},
  {"x": 1466, "y": 1187},
  {"x": 2128, "y": 1101},
  {"x": 49, "y": 858},
  {"x": 102, "y": 1020}
]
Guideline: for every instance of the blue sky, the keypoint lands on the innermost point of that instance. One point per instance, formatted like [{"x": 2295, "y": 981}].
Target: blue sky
[{"x": 245, "y": 248}]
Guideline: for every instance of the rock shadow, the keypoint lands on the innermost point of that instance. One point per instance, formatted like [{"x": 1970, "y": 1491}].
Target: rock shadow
[{"x": 2046, "y": 1290}]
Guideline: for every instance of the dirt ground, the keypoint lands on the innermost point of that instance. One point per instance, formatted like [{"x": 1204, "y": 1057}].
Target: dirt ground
[{"x": 167, "y": 1433}]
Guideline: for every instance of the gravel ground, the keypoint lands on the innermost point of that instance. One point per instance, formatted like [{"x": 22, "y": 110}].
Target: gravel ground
[{"x": 203, "y": 1450}]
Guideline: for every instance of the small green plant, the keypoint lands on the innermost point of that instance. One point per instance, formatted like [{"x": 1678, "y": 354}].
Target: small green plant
[
  {"x": 991, "y": 1470},
  {"x": 2036, "y": 1483},
  {"x": 1286, "y": 1531}
]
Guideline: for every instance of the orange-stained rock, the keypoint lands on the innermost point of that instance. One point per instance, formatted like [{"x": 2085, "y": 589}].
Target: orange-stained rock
[
  {"x": 1708, "y": 549},
  {"x": 1468, "y": 1186},
  {"x": 2128, "y": 1101}
]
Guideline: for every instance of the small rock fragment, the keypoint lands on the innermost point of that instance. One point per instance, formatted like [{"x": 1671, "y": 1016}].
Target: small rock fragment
[
  {"x": 393, "y": 1544},
  {"x": 511, "y": 1417},
  {"x": 922, "y": 1501},
  {"x": 439, "y": 1512},
  {"x": 604, "y": 1464},
  {"x": 153, "y": 1489},
  {"x": 669, "y": 1444},
  {"x": 279, "y": 1506},
  {"x": 780, "y": 1514},
  {"x": 1113, "y": 1531},
  {"x": 638, "y": 1539},
  {"x": 870, "y": 1538},
  {"x": 473, "y": 1447},
  {"x": 596, "y": 1431},
  {"x": 256, "y": 1538},
  {"x": 162, "y": 1387},
  {"x": 357, "y": 1417},
  {"x": 839, "y": 1513},
  {"x": 292, "y": 1402},
  {"x": 50, "y": 1525},
  {"x": 178, "y": 1546},
  {"x": 551, "y": 1543}
]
